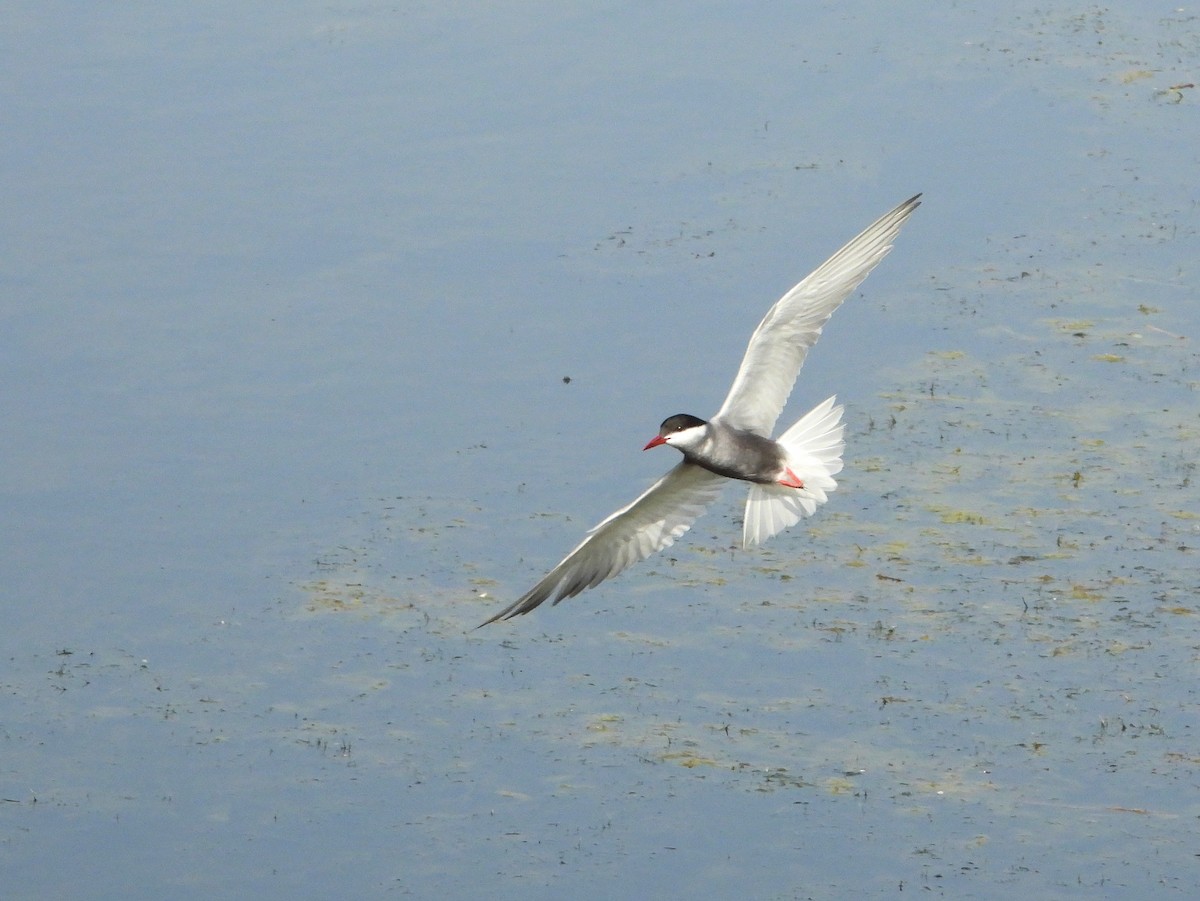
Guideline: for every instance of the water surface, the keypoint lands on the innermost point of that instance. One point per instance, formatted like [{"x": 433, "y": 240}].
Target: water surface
[{"x": 328, "y": 329}]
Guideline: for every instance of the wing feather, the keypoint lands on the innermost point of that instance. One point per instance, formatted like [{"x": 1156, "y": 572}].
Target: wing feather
[
  {"x": 652, "y": 522},
  {"x": 781, "y": 342}
]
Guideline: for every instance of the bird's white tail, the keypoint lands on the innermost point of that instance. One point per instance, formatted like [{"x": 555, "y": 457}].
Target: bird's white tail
[{"x": 814, "y": 446}]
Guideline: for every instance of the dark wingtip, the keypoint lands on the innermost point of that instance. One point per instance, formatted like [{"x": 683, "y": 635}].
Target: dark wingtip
[
  {"x": 533, "y": 599},
  {"x": 503, "y": 614},
  {"x": 519, "y": 607}
]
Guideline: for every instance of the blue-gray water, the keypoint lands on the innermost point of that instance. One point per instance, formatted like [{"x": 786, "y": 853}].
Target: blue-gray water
[{"x": 288, "y": 300}]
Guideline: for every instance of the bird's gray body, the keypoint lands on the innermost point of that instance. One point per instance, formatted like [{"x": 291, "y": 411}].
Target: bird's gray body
[{"x": 735, "y": 453}]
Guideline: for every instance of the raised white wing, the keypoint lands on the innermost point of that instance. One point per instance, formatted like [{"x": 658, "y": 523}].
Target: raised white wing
[
  {"x": 652, "y": 522},
  {"x": 781, "y": 341}
]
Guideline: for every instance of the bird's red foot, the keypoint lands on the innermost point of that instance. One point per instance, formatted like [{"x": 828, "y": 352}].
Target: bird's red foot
[{"x": 790, "y": 480}]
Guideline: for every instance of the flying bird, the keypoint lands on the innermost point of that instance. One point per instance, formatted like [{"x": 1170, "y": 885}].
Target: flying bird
[{"x": 789, "y": 476}]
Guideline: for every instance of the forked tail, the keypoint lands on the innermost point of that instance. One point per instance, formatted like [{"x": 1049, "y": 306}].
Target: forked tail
[{"x": 814, "y": 446}]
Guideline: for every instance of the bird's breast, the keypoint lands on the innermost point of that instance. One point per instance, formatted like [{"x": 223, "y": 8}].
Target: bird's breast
[{"x": 737, "y": 454}]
